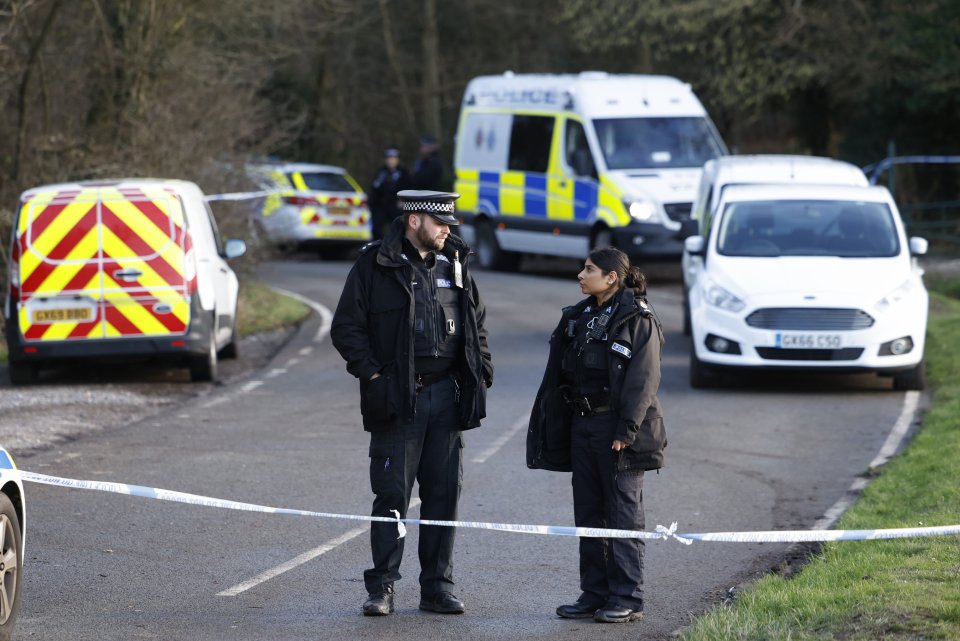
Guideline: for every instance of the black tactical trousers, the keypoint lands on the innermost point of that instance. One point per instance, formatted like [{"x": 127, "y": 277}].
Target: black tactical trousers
[
  {"x": 611, "y": 570},
  {"x": 428, "y": 449}
]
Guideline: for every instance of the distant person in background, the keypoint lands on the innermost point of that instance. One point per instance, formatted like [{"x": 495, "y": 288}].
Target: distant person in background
[
  {"x": 428, "y": 172},
  {"x": 389, "y": 179}
]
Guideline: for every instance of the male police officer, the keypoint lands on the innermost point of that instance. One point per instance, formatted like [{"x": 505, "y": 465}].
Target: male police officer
[{"x": 410, "y": 326}]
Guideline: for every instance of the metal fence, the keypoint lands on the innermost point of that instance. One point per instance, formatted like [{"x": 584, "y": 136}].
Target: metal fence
[{"x": 937, "y": 221}]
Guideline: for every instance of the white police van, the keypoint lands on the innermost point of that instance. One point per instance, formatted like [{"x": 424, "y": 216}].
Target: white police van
[{"x": 559, "y": 164}]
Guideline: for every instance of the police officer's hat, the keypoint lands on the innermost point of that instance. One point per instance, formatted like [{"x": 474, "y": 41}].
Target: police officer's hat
[{"x": 438, "y": 204}]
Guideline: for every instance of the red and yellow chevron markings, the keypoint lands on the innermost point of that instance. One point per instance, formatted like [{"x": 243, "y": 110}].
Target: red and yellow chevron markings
[{"x": 116, "y": 254}]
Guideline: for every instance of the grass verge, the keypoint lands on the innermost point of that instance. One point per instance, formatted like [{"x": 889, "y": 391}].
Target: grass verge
[
  {"x": 871, "y": 590},
  {"x": 259, "y": 309}
]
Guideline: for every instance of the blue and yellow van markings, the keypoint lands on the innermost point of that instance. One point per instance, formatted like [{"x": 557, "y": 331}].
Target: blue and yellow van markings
[
  {"x": 535, "y": 195},
  {"x": 585, "y": 198}
]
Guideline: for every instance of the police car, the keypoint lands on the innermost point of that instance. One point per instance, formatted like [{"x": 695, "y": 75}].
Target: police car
[
  {"x": 12, "y": 520},
  {"x": 311, "y": 206},
  {"x": 807, "y": 278}
]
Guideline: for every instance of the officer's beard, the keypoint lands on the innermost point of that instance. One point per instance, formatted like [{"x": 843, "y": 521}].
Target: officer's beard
[{"x": 428, "y": 242}]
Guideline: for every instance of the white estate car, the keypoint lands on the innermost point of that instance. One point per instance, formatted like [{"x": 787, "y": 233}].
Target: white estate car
[
  {"x": 730, "y": 171},
  {"x": 12, "y": 519},
  {"x": 807, "y": 277}
]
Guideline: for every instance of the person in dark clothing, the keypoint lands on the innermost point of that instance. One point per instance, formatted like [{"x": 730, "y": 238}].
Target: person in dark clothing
[
  {"x": 410, "y": 324},
  {"x": 428, "y": 171},
  {"x": 391, "y": 178},
  {"x": 597, "y": 414}
]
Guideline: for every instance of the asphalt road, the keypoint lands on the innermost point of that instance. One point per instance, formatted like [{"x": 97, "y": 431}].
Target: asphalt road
[{"x": 767, "y": 453}]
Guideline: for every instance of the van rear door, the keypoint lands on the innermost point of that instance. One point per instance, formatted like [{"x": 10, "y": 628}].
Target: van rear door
[{"x": 103, "y": 262}]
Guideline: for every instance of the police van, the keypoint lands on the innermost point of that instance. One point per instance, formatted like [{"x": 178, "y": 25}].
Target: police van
[
  {"x": 559, "y": 164},
  {"x": 119, "y": 269}
]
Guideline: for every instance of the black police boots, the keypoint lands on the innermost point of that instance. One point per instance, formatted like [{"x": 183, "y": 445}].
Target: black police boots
[
  {"x": 582, "y": 609},
  {"x": 442, "y": 603},
  {"x": 617, "y": 614},
  {"x": 379, "y": 604}
]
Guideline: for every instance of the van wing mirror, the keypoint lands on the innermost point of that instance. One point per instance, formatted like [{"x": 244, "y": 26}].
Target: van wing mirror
[
  {"x": 695, "y": 245},
  {"x": 234, "y": 248},
  {"x": 918, "y": 245}
]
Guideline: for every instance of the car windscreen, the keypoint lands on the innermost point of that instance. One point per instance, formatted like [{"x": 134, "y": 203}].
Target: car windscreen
[
  {"x": 656, "y": 143},
  {"x": 324, "y": 181},
  {"x": 845, "y": 228}
]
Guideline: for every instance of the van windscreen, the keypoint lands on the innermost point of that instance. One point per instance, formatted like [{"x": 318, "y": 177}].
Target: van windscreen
[{"x": 656, "y": 143}]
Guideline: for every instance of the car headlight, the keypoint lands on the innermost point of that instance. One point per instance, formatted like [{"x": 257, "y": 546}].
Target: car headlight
[
  {"x": 642, "y": 211},
  {"x": 649, "y": 211},
  {"x": 896, "y": 296},
  {"x": 722, "y": 298}
]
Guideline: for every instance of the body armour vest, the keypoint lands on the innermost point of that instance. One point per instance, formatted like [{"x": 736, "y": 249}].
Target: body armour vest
[
  {"x": 438, "y": 325},
  {"x": 586, "y": 360}
]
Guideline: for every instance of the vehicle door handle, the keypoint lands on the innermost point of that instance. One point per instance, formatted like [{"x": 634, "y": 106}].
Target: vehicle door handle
[{"x": 127, "y": 275}]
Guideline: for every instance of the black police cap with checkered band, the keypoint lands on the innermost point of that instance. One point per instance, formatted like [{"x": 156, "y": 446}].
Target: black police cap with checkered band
[{"x": 438, "y": 204}]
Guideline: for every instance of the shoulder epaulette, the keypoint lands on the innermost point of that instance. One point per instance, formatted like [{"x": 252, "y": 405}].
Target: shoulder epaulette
[
  {"x": 644, "y": 307},
  {"x": 371, "y": 245}
]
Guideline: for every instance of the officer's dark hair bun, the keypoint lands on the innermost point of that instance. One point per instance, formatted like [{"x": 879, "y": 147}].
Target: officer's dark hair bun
[
  {"x": 611, "y": 259},
  {"x": 636, "y": 281}
]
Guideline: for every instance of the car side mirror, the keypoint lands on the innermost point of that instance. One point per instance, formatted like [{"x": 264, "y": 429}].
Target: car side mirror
[
  {"x": 695, "y": 245},
  {"x": 234, "y": 248},
  {"x": 688, "y": 228},
  {"x": 918, "y": 246}
]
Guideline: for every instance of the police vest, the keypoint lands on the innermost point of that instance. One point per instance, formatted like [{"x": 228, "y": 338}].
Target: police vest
[
  {"x": 586, "y": 360},
  {"x": 438, "y": 325}
]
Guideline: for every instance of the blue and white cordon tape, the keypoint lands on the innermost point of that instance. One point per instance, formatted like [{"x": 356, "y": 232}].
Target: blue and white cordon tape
[
  {"x": 662, "y": 532},
  {"x": 244, "y": 195}
]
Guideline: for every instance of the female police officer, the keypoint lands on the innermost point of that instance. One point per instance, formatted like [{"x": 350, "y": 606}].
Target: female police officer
[{"x": 597, "y": 415}]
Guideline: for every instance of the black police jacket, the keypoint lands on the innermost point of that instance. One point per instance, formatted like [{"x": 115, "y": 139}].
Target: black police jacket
[
  {"x": 635, "y": 344},
  {"x": 428, "y": 173},
  {"x": 383, "y": 191},
  {"x": 373, "y": 329}
]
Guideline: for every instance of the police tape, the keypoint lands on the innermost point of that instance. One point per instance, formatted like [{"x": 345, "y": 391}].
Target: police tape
[
  {"x": 661, "y": 532},
  {"x": 242, "y": 195}
]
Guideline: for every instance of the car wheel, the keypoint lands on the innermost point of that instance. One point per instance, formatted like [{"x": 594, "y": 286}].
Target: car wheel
[
  {"x": 22, "y": 373},
  {"x": 10, "y": 563},
  {"x": 602, "y": 238},
  {"x": 489, "y": 253},
  {"x": 204, "y": 367},
  {"x": 912, "y": 379},
  {"x": 701, "y": 375},
  {"x": 687, "y": 328}
]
